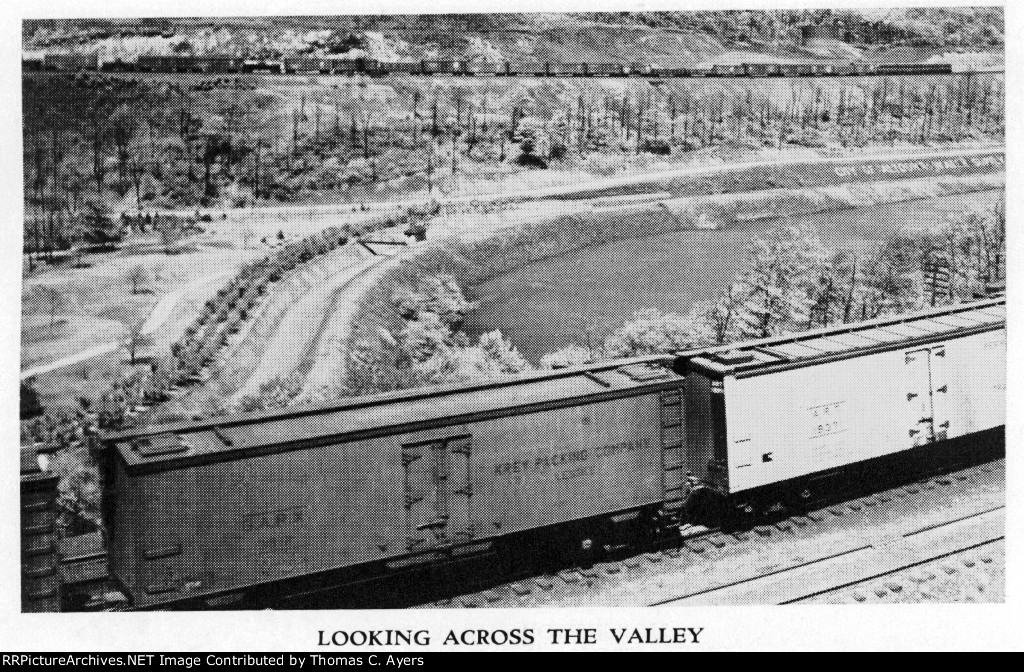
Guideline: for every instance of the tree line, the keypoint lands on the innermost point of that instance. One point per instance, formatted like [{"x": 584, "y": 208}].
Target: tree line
[{"x": 99, "y": 145}]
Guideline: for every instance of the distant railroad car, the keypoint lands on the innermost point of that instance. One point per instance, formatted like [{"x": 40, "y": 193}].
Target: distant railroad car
[
  {"x": 406, "y": 67},
  {"x": 567, "y": 69},
  {"x": 680, "y": 72},
  {"x": 166, "y": 64},
  {"x": 207, "y": 509},
  {"x": 345, "y": 66},
  {"x": 482, "y": 68},
  {"x": 117, "y": 65},
  {"x": 440, "y": 67},
  {"x": 179, "y": 64},
  {"x": 301, "y": 64},
  {"x": 726, "y": 70},
  {"x": 776, "y": 418},
  {"x": 528, "y": 69},
  {"x": 761, "y": 69},
  {"x": 606, "y": 70},
  {"x": 149, "y": 63},
  {"x": 913, "y": 68},
  {"x": 263, "y": 65},
  {"x": 369, "y": 66},
  {"x": 71, "y": 62},
  {"x": 220, "y": 64}
]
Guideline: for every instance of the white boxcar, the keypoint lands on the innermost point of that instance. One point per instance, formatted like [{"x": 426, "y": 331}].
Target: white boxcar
[{"x": 782, "y": 412}]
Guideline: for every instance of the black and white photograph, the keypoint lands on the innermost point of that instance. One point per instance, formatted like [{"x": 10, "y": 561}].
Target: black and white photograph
[{"x": 676, "y": 307}]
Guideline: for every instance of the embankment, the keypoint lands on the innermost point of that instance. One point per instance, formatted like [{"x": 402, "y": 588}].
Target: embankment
[{"x": 473, "y": 255}]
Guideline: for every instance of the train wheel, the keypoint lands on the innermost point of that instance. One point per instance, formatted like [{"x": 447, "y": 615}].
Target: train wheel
[
  {"x": 799, "y": 498},
  {"x": 740, "y": 516},
  {"x": 705, "y": 506},
  {"x": 587, "y": 552}
]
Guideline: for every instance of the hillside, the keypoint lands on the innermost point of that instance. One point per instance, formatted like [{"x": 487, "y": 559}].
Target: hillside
[{"x": 654, "y": 37}]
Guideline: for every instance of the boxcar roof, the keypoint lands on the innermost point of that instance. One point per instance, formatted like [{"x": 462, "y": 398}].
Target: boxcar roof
[
  {"x": 216, "y": 439},
  {"x": 849, "y": 340}
]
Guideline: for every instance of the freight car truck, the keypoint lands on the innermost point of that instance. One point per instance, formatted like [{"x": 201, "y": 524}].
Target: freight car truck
[
  {"x": 201, "y": 514},
  {"x": 781, "y": 420}
]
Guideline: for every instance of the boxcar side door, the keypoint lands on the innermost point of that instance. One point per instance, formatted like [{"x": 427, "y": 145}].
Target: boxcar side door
[
  {"x": 437, "y": 492},
  {"x": 423, "y": 521},
  {"x": 919, "y": 397}
]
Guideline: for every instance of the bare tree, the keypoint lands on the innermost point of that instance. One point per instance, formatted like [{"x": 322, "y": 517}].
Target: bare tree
[
  {"x": 137, "y": 276},
  {"x": 55, "y": 301},
  {"x": 135, "y": 339}
]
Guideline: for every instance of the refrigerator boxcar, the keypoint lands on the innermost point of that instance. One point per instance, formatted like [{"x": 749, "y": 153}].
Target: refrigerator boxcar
[
  {"x": 575, "y": 462},
  {"x": 202, "y": 510},
  {"x": 780, "y": 418}
]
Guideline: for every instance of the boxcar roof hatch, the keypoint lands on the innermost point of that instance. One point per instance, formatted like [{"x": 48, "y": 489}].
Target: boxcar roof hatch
[{"x": 363, "y": 418}]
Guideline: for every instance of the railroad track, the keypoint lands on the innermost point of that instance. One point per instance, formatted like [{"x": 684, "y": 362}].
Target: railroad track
[
  {"x": 652, "y": 77},
  {"x": 889, "y": 544}
]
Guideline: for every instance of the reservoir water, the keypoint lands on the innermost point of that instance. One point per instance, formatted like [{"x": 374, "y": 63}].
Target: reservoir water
[{"x": 580, "y": 297}]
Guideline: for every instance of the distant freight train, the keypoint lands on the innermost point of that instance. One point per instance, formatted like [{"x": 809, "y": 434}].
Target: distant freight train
[
  {"x": 254, "y": 508},
  {"x": 333, "y": 65}
]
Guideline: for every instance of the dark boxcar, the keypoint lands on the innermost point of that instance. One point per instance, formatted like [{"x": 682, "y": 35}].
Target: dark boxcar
[
  {"x": 605, "y": 70},
  {"x": 678, "y": 72},
  {"x": 402, "y": 67},
  {"x": 568, "y": 69},
  {"x": 762, "y": 69},
  {"x": 208, "y": 509},
  {"x": 913, "y": 68},
  {"x": 344, "y": 66},
  {"x": 482, "y": 68},
  {"x": 440, "y": 67},
  {"x": 71, "y": 62},
  {"x": 149, "y": 63},
  {"x": 726, "y": 70},
  {"x": 369, "y": 66},
  {"x": 309, "y": 65},
  {"x": 533, "y": 69},
  {"x": 263, "y": 65},
  {"x": 219, "y": 64},
  {"x": 117, "y": 65},
  {"x": 527, "y": 69}
]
